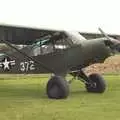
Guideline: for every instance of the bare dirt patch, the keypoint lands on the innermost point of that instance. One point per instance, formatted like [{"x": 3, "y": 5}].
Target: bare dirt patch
[{"x": 110, "y": 65}]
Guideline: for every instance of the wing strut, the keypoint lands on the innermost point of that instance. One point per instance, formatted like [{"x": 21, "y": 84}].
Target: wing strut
[{"x": 38, "y": 62}]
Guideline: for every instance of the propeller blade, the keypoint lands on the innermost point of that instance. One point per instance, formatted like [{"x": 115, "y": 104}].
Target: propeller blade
[
  {"x": 102, "y": 32},
  {"x": 115, "y": 43}
]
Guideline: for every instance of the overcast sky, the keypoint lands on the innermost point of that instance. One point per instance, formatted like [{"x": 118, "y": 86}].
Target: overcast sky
[{"x": 80, "y": 15}]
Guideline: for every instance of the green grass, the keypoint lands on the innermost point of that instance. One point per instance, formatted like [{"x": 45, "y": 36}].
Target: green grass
[{"x": 22, "y": 97}]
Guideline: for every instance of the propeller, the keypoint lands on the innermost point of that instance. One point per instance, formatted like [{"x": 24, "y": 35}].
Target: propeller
[
  {"x": 102, "y": 32},
  {"x": 114, "y": 44}
]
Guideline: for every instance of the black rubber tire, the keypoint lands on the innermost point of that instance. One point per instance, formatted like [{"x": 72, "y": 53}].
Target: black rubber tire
[
  {"x": 99, "y": 82},
  {"x": 57, "y": 88}
]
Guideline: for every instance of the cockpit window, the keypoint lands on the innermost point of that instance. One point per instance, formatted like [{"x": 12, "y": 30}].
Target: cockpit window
[
  {"x": 41, "y": 47},
  {"x": 75, "y": 37},
  {"x": 53, "y": 43},
  {"x": 49, "y": 45}
]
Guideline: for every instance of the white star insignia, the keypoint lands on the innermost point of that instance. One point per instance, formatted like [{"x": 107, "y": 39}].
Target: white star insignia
[{"x": 6, "y": 64}]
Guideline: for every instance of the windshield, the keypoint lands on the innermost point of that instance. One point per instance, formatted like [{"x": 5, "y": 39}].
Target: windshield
[{"x": 75, "y": 37}]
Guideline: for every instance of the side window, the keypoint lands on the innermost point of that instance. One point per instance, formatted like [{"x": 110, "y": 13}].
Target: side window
[
  {"x": 61, "y": 44},
  {"x": 49, "y": 44},
  {"x": 42, "y": 47},
  {"x": 47, "y": 48}
]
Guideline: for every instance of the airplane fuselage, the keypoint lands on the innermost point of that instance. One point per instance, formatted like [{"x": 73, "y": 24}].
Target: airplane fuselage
[{"x": 60, "y": 62}]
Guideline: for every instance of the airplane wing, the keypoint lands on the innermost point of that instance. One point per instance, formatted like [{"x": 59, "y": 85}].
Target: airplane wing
[
  {"x": 27, "y": 35},
  {"x": 22, "y": 35}
]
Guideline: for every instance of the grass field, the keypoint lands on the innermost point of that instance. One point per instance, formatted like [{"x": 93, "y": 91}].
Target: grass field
[{"x": 22, "y": 97}]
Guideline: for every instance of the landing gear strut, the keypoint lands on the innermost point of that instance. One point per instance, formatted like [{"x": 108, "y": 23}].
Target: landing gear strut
[{"x": 93, "y": 82}]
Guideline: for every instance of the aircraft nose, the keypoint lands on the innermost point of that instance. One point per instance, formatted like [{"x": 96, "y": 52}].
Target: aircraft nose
[{"x": 116, "y": 44}]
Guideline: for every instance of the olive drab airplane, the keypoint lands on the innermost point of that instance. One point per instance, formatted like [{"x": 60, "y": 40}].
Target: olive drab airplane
[{"x": 30, "y": 50}]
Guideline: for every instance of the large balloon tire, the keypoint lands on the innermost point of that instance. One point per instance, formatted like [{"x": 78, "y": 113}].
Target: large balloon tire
[
  {"x": 99, "y": 85},
  {"x": 57, "y": 88}
]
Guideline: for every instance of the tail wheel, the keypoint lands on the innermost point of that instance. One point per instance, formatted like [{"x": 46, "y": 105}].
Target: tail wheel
[
  {"x": 57, "y": 88},
  {"x": 97, "y": 84}
]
